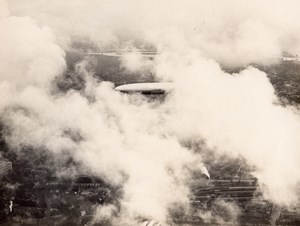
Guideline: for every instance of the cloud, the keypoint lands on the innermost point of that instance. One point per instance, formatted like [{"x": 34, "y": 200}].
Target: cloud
[
  {"x": 232, "y": 32},
  {"x": 124, "y": 139}
]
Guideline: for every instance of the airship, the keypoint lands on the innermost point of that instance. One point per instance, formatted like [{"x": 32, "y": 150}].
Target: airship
[{"x": 147, "y": 88}]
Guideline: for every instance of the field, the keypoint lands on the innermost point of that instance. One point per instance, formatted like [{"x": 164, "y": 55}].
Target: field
[{"x": 41, "y": 198}]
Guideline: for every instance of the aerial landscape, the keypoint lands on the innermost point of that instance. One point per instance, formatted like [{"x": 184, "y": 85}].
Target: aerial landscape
[{"x": 149, "y": 113}]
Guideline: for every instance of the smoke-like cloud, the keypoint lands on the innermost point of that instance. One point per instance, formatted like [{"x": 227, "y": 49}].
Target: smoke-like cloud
[
  {"x": 125, "y": 140},
  {"x": 237, "y": 114},
  {"x": 119, "y": 141},
  {"x": 233, "y": 32}
]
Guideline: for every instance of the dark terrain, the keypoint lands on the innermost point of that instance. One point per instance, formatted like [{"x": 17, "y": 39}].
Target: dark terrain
[{"x": 40, "y": 197}]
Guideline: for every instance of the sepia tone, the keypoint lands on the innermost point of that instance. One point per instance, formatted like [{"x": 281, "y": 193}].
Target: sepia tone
[{"x": 149, "y": 113}]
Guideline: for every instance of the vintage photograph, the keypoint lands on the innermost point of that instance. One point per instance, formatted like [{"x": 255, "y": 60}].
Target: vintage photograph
[{"x": 149, "y": 112}]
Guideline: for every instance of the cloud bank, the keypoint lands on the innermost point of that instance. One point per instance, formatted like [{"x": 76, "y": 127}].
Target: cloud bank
[{"x": 126, "y": 140}]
